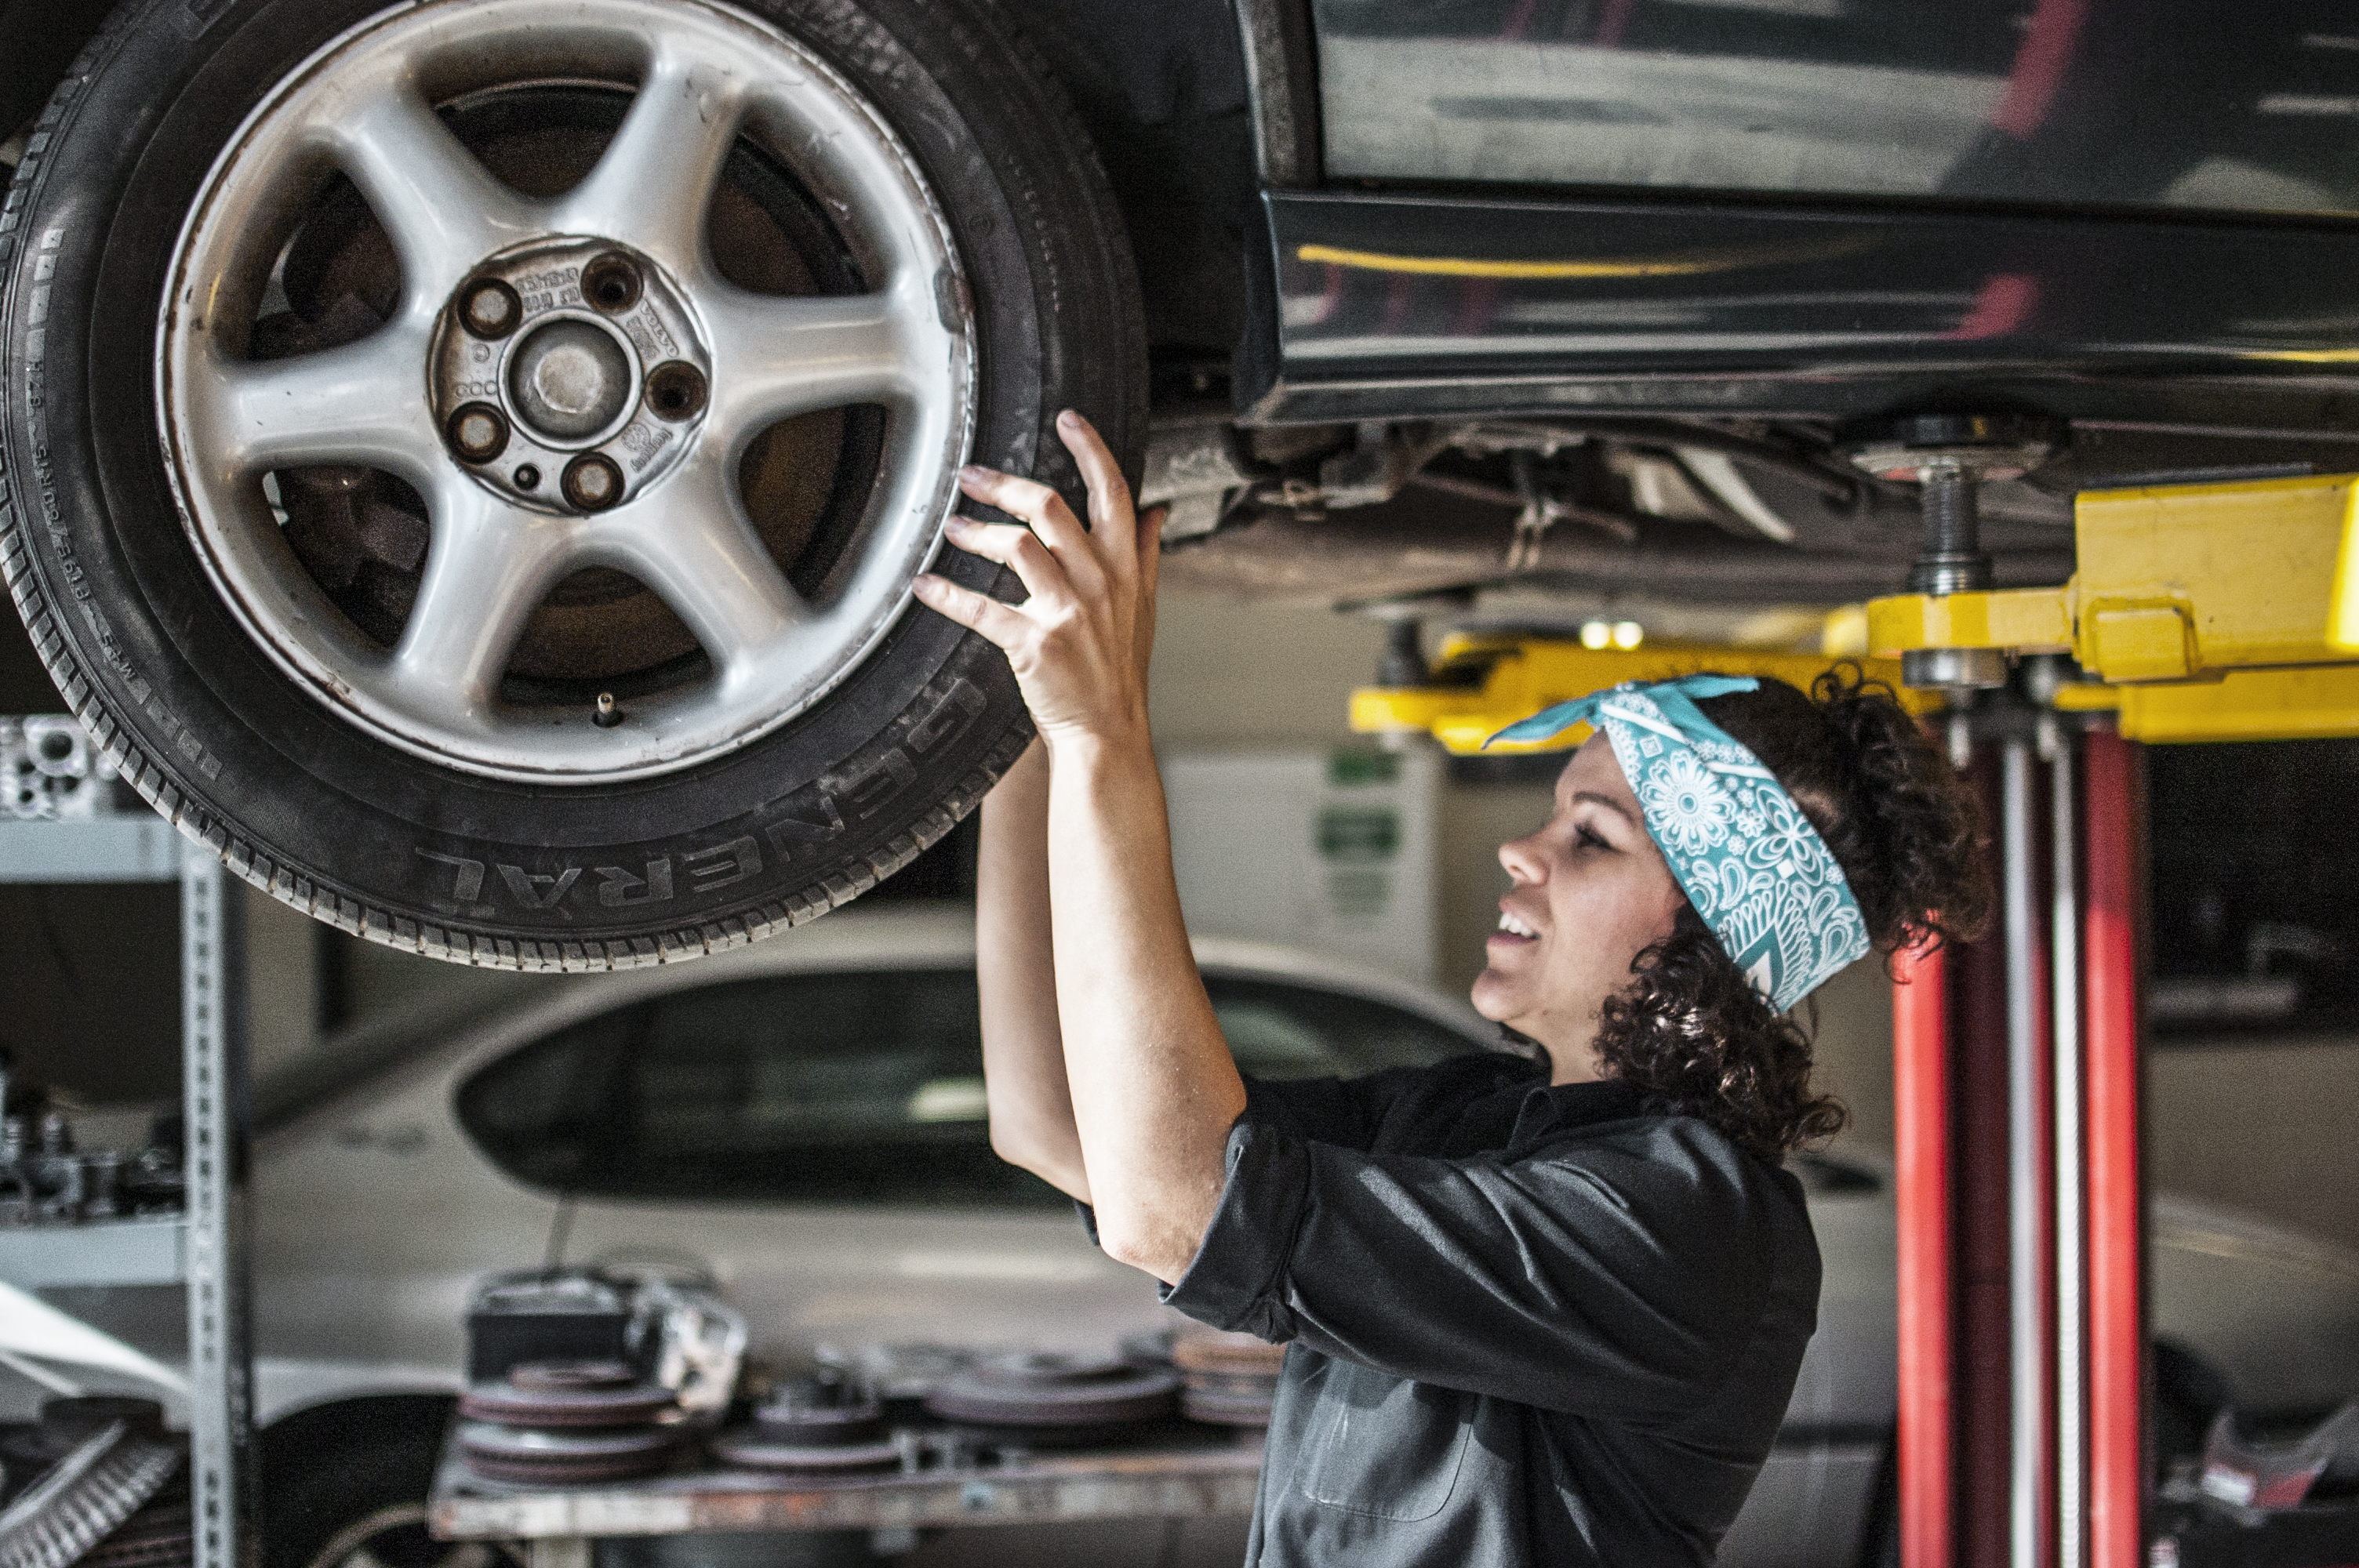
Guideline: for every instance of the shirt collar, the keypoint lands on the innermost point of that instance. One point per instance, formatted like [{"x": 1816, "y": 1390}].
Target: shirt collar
[{"x": 1561, "y": 1107}]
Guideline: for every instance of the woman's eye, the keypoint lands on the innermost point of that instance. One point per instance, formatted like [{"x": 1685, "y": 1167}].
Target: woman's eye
[{"x": 1584, "y": 838}]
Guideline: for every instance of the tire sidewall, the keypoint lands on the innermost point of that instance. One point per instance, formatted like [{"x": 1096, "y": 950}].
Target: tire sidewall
[{"x": 211, "y": 731}]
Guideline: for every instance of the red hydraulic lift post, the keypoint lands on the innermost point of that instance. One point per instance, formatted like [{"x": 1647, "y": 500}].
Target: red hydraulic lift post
[
  {"x": 1921, "y": 1084},
  {"x": 2116, "y": 1198}
]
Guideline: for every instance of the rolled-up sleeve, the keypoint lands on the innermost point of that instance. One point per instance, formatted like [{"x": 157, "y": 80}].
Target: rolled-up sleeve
[{"x": 1612, "y": 1277}]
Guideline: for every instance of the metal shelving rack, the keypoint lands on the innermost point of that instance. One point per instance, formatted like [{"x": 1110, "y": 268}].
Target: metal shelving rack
[{"x": 206, "y": 1249}]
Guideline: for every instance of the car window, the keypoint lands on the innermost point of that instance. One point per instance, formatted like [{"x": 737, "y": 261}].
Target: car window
[
  {"x": 862, "y": 1087},
  {"x": 2179, "y": 103},
  {"x": 1278, "y": 1030}
]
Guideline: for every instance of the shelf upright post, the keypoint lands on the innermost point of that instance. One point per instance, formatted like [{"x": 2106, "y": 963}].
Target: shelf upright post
[{"x": 216, "y": 1095}]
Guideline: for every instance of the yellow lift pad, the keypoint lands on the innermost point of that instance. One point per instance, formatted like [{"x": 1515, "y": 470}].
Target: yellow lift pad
[{"x": 1482, "y": 683}]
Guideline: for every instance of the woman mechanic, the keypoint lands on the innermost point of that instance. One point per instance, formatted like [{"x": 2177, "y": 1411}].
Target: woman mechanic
[{"x": 1543, "y": 1307}]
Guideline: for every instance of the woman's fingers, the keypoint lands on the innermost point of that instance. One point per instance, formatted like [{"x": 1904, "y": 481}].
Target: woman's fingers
[
  {"x": 1150, "y": 548},
  {"x": 1109, "y": 505},
  {"x": 1001, "y": 623},
  {"x": 1044, "y": 510},
  {"x": 1016, "y": 549}
]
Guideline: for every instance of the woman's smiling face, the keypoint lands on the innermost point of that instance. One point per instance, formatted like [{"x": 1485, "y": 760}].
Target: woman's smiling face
[{"x": 1591, "y": 892}]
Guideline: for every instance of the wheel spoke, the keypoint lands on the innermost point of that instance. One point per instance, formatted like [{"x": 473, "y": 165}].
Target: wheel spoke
[
  {"x": 693, "y": 546},
  {"x": 443, "y": 209},
  {"x": 773, "y": 358},
  {"x": 490, "y": 566},
  {"x": 355, "y": 404},
  {"x": 654, "y": 180}
]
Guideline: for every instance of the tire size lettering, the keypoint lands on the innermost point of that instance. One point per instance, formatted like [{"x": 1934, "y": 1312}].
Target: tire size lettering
[{"x": 807, "y": 823}]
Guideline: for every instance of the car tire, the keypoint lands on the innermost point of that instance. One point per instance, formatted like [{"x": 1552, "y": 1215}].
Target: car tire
[
  {"x": 194, "y": 681},
  {"x": 345, "y": 1485}
]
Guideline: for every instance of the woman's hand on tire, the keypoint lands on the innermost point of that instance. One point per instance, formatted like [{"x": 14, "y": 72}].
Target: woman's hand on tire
[{"x": 1079, "y": 643}]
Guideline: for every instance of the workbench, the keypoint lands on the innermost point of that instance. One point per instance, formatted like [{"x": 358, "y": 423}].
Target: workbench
[{"x": 1179, "y": 1471}]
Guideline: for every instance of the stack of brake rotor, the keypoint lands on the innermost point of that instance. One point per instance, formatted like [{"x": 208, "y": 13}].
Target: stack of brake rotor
[
  {"x": 108, "y": 1486},
  {"x": 812, "y": 1427},
  {"x": 1232, "y": 1378},
  {"x": 1042, "y": 1400},
  {"x": 561, "y": 1422}
]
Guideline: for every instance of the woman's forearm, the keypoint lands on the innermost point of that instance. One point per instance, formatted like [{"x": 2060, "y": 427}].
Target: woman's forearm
[
  {"x": 1023, "y": 1055},
  {"x": 1154, "y": 1089}
]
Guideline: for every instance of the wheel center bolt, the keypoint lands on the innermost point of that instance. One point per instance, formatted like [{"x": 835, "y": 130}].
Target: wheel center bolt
[
  {"x": 490, "y": 308},
  {"x": 569, "y": 379}
]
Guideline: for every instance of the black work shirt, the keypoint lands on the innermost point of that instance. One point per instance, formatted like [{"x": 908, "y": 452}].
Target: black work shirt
[{"x": 1525, "y": 1323}]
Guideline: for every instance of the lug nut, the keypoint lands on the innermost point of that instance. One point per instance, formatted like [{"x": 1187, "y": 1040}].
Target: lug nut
[
  {"x": 478, "y": 432},
  {"x": 592, "y": 482},
  {"x": 490, "y": 308},
  {"x": 611, "y": 283},
  {"x": 675, "y": 390}
]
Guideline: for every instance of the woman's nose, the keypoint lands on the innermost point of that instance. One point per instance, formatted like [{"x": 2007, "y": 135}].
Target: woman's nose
[{"x": 1520, "y": 857}]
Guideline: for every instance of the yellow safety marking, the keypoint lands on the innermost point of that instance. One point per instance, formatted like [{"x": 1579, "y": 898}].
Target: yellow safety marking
[
  {"x": 1641, "y": 267},
  {"x": 2343, "y": 609}
]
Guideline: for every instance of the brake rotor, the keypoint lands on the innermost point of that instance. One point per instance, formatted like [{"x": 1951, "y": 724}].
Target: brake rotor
[
  {"x": 533, "y": 1458},
  {"x": 569, "y": 1394},
  {"x": 1227, "y": 1409},
  {"x": 1232, "y": 1378},
  {"x": 820, "y": 1426},
  {"x": 1231, "y": 1353},
  {"x": 1044, "y": 1392},
  {"x": 753, "y": 1448}
]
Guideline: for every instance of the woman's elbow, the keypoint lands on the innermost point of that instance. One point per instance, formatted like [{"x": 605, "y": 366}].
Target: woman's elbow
[
  {"x": 1154, "y": 1249},
  {"x": 1037, "y": 1156}
]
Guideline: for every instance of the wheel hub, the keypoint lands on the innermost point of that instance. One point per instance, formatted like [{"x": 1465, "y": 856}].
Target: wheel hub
[
  {"x": 573, "y": 357},
  {"x": 568, "y": 379}
]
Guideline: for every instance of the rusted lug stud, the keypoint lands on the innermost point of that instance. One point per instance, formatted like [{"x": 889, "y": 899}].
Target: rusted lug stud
[
  {"x": 478, "y": 432},
  {"x": 604, "y": 713},
  {"x": 490, "y": 308},
  {"x": 592, "y": 482},
  {"x": 611, "y": 283},
  {"x": 675, "y": 390}
]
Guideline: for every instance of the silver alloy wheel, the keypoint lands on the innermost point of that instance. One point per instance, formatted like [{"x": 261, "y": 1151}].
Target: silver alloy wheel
[{"x": 651, "y": 403}]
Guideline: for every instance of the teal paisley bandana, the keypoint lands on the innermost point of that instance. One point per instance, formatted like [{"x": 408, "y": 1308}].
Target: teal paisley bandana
[{"x": 1751, "y": 862}]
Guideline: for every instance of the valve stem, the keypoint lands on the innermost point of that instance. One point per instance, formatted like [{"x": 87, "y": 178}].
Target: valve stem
[{"x": 604, "y": 713}]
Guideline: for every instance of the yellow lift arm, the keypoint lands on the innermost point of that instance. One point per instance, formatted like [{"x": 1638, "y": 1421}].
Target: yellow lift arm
[
  {"x": 2210, "y": 611},
  {"x": 2205, "y": 613},
  {"x": 1482, "y": 682}
]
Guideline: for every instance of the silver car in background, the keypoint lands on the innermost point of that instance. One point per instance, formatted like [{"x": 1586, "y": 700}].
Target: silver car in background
[{"x": 802, "y": 1123}]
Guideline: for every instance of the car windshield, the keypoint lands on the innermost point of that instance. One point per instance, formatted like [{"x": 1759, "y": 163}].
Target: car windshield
[{"x": 859, "y": 1087}]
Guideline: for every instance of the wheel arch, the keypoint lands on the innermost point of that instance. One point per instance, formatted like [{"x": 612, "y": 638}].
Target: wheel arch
[{"x": 1163, "y": 93}]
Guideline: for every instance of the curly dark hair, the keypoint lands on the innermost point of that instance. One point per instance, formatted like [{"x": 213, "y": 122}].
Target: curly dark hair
[{"x": 1690, "y": 1030}]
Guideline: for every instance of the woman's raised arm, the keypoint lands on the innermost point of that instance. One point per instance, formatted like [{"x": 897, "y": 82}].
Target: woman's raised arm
[{"x": 1016, "y": 974}]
